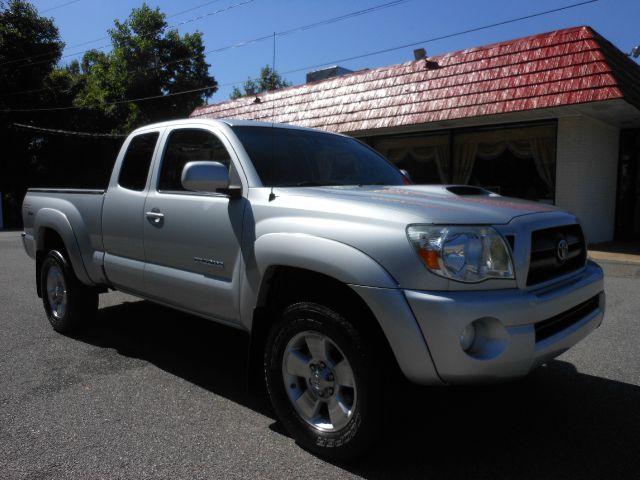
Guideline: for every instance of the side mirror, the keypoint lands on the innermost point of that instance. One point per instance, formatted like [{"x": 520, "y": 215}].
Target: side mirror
[
  {"x": 406, "y": 175},
  {"x": 205, "y": 177}
]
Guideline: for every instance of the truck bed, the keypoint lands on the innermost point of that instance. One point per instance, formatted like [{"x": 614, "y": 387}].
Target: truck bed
[{"x": 74, "y": 213}]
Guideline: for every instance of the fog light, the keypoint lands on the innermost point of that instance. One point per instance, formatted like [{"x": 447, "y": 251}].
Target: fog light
[{"x": 467, "y": 337}]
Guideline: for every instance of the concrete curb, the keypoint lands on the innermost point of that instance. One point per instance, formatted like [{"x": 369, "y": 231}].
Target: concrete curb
[{"x": 610, "y": 257}]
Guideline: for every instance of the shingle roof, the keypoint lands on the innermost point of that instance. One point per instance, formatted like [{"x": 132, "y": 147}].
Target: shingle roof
[{"x": 553, "y": 69}]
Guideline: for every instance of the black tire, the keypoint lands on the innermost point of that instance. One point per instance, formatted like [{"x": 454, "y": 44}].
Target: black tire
[
  {"x": 340, "y": 440},
  {"x": 68, "y": 303}
]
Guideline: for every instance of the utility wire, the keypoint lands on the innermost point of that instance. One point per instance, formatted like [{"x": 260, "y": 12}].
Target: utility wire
[
  {"x": 239, "y": 44},
  {"x": 66, "y": 132},
  {"x": 106, "y": 45},
  {"x": 433, "y": 39},
  {"x": 244, "y": 43},
  {"x": 300, "y": 28},
  {"x": 59, "y": 6},
  {"x": 442, "y": 37},
  {"x": 286, "y": 32},
  {"x": 106, "y": 104},
  {"x": 196, "y": 7},
  {"x": 106, "y": 37}
]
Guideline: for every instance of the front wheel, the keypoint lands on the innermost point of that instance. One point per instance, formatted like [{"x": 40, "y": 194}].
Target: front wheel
[
  {"x": 67, "y": 302},
  {"x": 320, "y": 376}
]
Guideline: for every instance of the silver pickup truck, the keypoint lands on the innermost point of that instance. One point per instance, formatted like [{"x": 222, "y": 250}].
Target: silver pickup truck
[{"x": 342, "y": 271}]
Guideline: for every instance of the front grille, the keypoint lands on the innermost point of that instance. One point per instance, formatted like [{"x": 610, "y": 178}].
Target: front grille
[
  {"x": 544, "y": 263},
  {"x": 553, "y": 325}
]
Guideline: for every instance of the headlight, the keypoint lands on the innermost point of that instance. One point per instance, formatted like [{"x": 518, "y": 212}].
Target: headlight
[{"x": 465, "y": 254}]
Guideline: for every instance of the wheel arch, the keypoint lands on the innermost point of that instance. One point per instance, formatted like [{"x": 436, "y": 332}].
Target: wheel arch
[
  {"x": 53, "y": 230},
  {"x": 283, "y": 285},
  {"x": 331, "y": 258}
]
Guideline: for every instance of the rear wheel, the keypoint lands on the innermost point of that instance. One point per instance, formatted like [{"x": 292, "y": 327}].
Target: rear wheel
[
  {"x": 320, "y": 378},
  {"x": 67, "y": 302}
]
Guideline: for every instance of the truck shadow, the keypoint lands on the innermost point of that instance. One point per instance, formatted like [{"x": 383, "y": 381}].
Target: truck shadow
[{"x": 556, "y": 423}]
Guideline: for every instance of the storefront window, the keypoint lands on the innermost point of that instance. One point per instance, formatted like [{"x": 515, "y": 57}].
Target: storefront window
[
  {"x": 517, "y": 161},
  {"x": 425, "y": 158}
]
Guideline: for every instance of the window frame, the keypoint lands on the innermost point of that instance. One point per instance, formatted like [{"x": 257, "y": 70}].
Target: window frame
[
  {"x": 150, "y": 169},
  {"x": 455, "y": 133},
  {"x": 260, "y": 181},
  {"x": 164, "y": 143}
]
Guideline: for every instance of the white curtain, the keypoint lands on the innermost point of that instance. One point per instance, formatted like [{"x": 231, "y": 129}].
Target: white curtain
[
  {"x": 537, "y": 143},
  {"x": 544, "y": 154},
  {"x": 464, "y": 160},
  {"x": 423, "y": 150},
  {"x": 527, "y": 142}
]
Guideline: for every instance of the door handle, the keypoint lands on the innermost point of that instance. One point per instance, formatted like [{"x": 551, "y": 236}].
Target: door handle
[{"x": 155, "y": 217}]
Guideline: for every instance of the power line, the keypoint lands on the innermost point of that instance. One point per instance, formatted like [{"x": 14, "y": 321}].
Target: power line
[
  {"x": 244, "y": 43},
  {"x": 443, "y": 37},
  {"x": 239, "y": 44},
  {"x": 463, "y": 32},
  {"x": 287, "y": 32},
  {"x": 59, "y": 6},
  {"x": 182, "y": 12},
  {"x": 24, "y": 92},
  {"x": 106, "y": 104},
  {"x": 66, "y": 132},
  {"x": 196, "y": 7},
  {"x": 106, "y": 45}
]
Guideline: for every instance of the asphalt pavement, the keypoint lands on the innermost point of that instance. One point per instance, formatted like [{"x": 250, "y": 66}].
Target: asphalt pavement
[{"x": 146, "y": 392}]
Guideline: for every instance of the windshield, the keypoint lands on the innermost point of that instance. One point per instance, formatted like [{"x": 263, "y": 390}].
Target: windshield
[{"x": 289, "y": 157}]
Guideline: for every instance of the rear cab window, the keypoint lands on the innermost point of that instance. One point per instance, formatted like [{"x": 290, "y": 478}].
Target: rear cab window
[{"x": 137, "y": 160}]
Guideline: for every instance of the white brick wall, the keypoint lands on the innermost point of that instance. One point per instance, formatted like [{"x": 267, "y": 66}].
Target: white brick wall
[{"x": 586, "y": 173}]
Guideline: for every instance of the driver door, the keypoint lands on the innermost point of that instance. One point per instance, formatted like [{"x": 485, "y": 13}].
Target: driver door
[{"x": 192, "y": 240}]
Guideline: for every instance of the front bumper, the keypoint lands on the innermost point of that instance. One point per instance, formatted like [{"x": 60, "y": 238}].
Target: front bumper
[{"x": 506, "y": 344}]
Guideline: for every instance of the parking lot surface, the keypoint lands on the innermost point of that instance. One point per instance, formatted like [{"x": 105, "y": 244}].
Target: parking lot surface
[{"x": 146, "y": 392}]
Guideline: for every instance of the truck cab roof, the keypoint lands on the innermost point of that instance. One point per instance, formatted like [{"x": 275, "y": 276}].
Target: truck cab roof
[{"x": 229, "y": 122}]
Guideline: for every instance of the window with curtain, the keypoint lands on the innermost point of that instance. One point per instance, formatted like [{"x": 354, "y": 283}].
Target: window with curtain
[
  {"x": 518, "y": 162},
  {"x": 426, "y": 158}
]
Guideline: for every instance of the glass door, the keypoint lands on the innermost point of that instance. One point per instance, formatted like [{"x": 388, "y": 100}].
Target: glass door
[{"x": 628, "y": 196}]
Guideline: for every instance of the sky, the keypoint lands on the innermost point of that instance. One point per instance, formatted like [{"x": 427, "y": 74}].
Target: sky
[{"x": 229, "y": 22}]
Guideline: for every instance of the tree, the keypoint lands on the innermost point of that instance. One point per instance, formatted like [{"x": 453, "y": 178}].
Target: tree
[
  {"x": 30, "y": 47},
  {"x": 269, "y": 80},
  {"x": 146, "y": 60}
]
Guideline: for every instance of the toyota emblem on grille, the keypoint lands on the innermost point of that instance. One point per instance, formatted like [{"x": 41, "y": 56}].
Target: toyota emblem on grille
[{"x": 562, "y": 250}]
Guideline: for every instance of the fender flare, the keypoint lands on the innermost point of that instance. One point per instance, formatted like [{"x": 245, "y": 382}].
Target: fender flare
[
  {"x": 59, "y": 223},
  {"x": 321, "y": 255},
  {"x": 367, "y": 278}
]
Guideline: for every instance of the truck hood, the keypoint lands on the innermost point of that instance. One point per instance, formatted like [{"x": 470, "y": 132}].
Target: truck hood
[{"x": 441, "y": 204}]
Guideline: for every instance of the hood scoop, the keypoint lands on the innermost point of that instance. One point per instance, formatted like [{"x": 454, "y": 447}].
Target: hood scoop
[{"x": 468, "y": 190}]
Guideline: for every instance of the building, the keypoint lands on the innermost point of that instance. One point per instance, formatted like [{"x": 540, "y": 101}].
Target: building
[{"x": 553, "y": 117}]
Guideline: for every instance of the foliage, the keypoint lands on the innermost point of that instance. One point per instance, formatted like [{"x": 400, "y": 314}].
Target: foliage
[
  {"x": 30, "y": 47},
  {"x": 147, "y": 60},
  {"x": 269, "y": 80}
]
